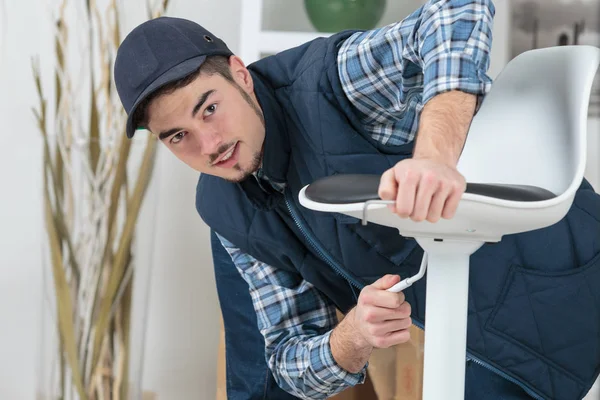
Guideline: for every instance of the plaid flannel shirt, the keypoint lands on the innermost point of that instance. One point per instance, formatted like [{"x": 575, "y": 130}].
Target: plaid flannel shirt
[{"x": 388, "y": 74}]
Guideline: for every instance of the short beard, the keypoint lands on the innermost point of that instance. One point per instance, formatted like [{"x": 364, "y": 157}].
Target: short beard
[{"x": 245, "y": 173}]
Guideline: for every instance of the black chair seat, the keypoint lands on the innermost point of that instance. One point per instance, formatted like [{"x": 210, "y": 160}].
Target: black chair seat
[{"x": 358, "y": 188}]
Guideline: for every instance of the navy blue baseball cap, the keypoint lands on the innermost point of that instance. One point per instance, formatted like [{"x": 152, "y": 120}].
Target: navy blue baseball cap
[{"x": 158, "y": 52}]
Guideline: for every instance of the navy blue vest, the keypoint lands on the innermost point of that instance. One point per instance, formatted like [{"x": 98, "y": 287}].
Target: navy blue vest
[{"x": 534, "y": 300}]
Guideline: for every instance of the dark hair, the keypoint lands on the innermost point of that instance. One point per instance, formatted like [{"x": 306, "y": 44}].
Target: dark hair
[{"x": 211, "y": 66}]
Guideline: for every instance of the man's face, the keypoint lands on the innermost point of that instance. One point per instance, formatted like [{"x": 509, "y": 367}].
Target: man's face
[{"x": 213, "y": 125}]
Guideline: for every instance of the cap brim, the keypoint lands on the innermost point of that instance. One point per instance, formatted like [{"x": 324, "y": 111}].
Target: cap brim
[{"x": 179, "y": 71}]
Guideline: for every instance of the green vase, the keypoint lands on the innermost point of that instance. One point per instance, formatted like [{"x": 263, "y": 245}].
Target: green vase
[{"x": 338, "y": 15}]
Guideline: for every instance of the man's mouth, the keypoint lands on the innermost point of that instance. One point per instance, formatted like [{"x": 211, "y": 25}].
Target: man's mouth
[{"x": 226, "y": 156}]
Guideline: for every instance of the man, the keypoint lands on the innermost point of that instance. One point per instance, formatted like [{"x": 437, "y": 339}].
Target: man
[{"x": 395, "y": 101}]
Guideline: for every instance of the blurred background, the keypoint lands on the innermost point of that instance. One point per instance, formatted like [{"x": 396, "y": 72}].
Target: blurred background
[{"x": 183, "y": 321}]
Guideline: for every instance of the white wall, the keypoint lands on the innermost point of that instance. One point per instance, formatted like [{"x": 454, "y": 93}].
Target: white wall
[
  {"x": 395, "y": 11},
  {"x": 20, "y": 206},
  {"x": 183, "y": 321},
  {"x": 274, "y": 9}
]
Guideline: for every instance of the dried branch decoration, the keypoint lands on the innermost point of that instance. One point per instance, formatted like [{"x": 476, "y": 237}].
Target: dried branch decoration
[{"x": 91, "y": 206}]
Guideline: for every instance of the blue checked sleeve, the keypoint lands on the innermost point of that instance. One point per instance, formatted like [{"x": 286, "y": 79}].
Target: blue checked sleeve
[
  {"x": 453, "y": 44},
  {"x": 296, "y": 321},
  {"x": 390, "y": 73}
]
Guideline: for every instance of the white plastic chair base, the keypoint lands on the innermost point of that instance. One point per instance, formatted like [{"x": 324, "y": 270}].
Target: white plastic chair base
[{"x": 446, "y": 317}]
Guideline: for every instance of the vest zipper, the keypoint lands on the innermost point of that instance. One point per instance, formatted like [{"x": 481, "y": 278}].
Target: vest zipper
[
  {"x": 317, "y": 246},
  {"x": 332, "y": 263},
  {"x": 523, "y": 386}
]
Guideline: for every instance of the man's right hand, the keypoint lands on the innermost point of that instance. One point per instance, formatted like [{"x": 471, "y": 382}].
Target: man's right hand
[{"x": 382, "y": 318}]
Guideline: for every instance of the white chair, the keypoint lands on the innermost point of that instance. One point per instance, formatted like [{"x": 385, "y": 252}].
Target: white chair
[{"x": 524, "y": 159}]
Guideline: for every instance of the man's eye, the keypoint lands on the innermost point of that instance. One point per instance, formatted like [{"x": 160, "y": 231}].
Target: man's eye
[
  {"x": 210, "y": 110},
  {"x": 177, "y": 137}
]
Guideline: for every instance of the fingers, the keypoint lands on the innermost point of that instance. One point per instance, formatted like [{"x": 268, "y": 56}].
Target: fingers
[
  {"x": 391, "y": 339},
  {"x": 436, "y": 207},
  {"x": 377, "y": 295},
  {"x": 387, "y": 327},
  {"x": 388, "y": 187},
  {"x": 452, "y": 202},
  {"x": 382, "y": 298},
  {"x": 385, "y": 282},
  {"x": 376, "y": 315},
  {"x": 407, "y": 187},
  {"x": 422, "y": 189},
  {"x": 427, "y": 188}
]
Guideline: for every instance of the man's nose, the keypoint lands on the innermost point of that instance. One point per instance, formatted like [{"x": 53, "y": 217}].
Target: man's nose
[{"x": 209, "y": 141}]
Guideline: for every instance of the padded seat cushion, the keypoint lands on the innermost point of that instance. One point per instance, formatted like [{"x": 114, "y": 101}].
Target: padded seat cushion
[{"x": 358, "y": 188}]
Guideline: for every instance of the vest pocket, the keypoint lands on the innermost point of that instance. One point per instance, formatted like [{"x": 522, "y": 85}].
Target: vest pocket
[{"x": 554, "y": 318}]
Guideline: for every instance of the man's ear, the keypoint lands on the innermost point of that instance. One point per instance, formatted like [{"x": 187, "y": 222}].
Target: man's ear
[{"x": 241, "y": 74}]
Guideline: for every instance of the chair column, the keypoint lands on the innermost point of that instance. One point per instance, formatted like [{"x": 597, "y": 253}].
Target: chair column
[{"x": 446, "y": 317}]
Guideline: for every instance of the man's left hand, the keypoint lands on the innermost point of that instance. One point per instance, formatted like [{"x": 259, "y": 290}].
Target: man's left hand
[{"x": 424, "y": 189}]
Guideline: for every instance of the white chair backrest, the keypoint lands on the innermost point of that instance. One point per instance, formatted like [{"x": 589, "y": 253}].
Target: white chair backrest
[{"x": 531, "y": 128}]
